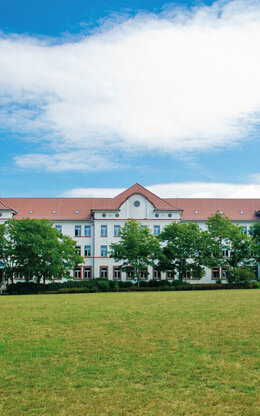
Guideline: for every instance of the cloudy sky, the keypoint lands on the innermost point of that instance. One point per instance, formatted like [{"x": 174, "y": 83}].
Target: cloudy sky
[{"x": 95, "y": 97}]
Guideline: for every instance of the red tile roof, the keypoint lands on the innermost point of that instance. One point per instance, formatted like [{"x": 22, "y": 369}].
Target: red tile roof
[
  {"x": 158, "y": 203},
  {"x": 66, "y": 207},
  {"x": 4, "y": 206},
  {"x": 209, "y": 206}
]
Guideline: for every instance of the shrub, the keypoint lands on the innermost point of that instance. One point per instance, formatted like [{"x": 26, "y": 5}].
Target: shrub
[
  {"x": 103, "y": 285},
  {"x": 240, "y": 276}
]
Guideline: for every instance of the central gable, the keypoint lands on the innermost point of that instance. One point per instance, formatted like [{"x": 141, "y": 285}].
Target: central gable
[{"x": 137, "y": 206}]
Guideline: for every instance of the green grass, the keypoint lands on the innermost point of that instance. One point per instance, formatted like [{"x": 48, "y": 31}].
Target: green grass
[{"x": 158, "y": 353}]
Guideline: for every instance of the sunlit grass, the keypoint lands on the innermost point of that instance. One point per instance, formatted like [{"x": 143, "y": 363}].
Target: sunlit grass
[{"x": 158, "y": 353}]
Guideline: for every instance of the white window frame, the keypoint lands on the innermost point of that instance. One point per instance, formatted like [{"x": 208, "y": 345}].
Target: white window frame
[
  {"x": 103, "y": 230},
  {"x": 156, "y": 229},
  {"x": 77, "y": 230},
  {"x": 87, "y": 231},
  {"x": 117, "y": 229},
  {"x": 103, "y": 249},
  {"x": 87, "y": 251}
]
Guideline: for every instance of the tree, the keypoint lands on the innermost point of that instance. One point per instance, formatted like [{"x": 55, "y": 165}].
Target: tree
[
  {"x": 255, "y": 233},
  {"x": 35, "y": 249},
  {"x": 186, "y": 249},
  {"x": 226, "y": 234},
  {"x": 137, "y": 249}
]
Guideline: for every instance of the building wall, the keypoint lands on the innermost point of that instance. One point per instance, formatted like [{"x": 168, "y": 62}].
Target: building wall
[{"x": 137, "y": 207}]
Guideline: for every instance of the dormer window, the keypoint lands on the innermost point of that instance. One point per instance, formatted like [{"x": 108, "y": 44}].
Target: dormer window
[
  {"x": 241, "y": 212},
  {"x": 77, "y": 211},
  {"x": 54, "y": 212},
  {"x": 196, "y": 212},
  {"x": 156, "y": 215},
  {"x": 221, "y": 212},
  {"x": 169, "y": 215},
  {"x": 31, "y": 211},
  {"x": 104, "y": 215}
]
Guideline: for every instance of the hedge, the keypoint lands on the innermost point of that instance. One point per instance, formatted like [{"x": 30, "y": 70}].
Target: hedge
[{"x": 100, "y": 285}]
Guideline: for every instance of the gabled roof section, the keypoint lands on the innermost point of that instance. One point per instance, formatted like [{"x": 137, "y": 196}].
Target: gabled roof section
[
  {"x": 4, "y": 206},
  {"x": 158, "y": 203}
]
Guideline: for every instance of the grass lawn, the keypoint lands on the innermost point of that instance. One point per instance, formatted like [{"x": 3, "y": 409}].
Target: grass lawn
[{"x": 157, "y": 354}]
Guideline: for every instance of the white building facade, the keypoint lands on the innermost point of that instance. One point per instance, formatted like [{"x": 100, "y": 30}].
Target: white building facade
[{"x": 95, "y": 223}]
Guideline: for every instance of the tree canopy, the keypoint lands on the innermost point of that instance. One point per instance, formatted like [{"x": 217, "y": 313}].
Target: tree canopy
[
  {"x": 186, "y": 249},
  {"x": 35, "y": 249},
  {"x": 137, "y": 248},
  {"x": 231, "y": 237}
]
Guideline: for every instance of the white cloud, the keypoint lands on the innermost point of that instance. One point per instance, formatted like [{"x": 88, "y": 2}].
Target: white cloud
[
  {"x": 77, "y": 160},
  {"x": 178, "y": 82},
  {"x": 179, "y": 190}
]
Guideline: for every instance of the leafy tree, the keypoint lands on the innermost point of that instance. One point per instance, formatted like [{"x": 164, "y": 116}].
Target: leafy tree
[
  {"x": 186, "y": 249},
  {"x": 229, "y": 235},
  {"x": 7, "y": 259},
  {"x": 255, "y": 233},
  {"x": 35, "y": 249},
  {"x": 137, "y": 249}
]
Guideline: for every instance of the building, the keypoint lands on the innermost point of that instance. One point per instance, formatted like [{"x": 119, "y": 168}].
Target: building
[{"x": 95, "y": 223}]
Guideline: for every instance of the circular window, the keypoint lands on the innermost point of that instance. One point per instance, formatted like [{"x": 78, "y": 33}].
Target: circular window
[
  {"x": 1, "y": 214},
  {"x": 169, "y": 215},
  {"x": 137, "y": 203},
  {"x": 104, "y": 215},
  {"x": 157, "y": 215},
  {"x": 117, "y": 215}
]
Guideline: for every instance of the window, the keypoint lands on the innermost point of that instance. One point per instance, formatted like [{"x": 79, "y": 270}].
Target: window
[
  {"x": 87, "y": 272},
  {"x": 59, "y": 228},
  {"x": 137, "y": 204},
  {"x": 103, "y": 251},
  {"x": 225, "y": 252},
  {"x": 156, "y": 274},
  {"x": 77, "y": 273},
  {"x": 144, "y": 274},
  {"x": 54, "y": 212},
  {"x": 215, "y": 273},
  {"x": 244, "y": 230},
  {"x": 224, "y": 273},
  {"x": 144, "y": 227},
  {"x": 87, "y": 251},
  {"x": 116, "y": 273},
  {"x": 103, "y": 272},
  {"x": 78, "y": 250},
  {"x": 187, "y": 275},
  {"x": 130, "y": 275},
  {"x": 103, "y": 231},
  {"x": 18, "y": 276},
  {"x": 87, "y": 231},
  {"x": 77, "y": 230},
  {"x": 170, "y": 274},
  {"x": 156, "y": 229},
  {"x": 117, "y": 229},
  {"x": 251, "y": 230}
]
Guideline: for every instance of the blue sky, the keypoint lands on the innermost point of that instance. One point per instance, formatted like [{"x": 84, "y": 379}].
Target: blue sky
[{"x": 98, "y": 94}]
